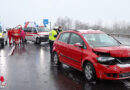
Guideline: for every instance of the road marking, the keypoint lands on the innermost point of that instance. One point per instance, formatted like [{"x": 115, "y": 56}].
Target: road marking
[
  {"x": 126, "y": 83},
  {"x": 11, "y": 51}
]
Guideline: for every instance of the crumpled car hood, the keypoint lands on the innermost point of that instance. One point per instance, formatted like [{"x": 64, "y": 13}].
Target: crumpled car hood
[{"x": 115, "y": 51}]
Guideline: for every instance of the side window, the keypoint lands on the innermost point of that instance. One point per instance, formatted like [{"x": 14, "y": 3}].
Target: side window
[
  {"x": 60, "y": 38},
  {"x": 29, "y": 29},
  {"x": 25, "y": 29},
  {"x": 75, "y": 39},
  {"x": 34, "y": 30},
  {"x": 64, "y": 37}
]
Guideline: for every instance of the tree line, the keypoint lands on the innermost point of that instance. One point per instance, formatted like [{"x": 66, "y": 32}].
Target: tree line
[{"x": 116, "y": 28}]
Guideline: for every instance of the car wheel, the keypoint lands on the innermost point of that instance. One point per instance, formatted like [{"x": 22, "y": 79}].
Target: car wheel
[
  {"x": 2, "y": 44},
  {"x": 89, "y": 72},
  {"x": 56, "y": 59},
  {"x": 6, "y": 42},
  {"x": 38, "y": 41}
]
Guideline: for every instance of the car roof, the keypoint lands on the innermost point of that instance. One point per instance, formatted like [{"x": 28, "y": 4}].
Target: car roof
[{"x": 89, "y": 31}]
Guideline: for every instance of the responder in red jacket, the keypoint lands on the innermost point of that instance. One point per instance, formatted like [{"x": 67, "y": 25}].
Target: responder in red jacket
[
  {"x": 22, "y": 36},
  {"x": 9, "y": 36},
  {"x": 16, "y": 34}
]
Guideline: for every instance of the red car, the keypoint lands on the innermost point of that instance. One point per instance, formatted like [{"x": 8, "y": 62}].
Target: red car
[{"x": 95, "y": 53}]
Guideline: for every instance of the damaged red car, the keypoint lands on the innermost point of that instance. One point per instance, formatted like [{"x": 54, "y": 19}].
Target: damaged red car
[{"x": 95, "y": 53}]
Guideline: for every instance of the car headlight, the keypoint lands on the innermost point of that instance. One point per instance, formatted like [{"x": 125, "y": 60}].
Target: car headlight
[
  {"x": 106, "y": 60},
  {"x": 0, "y": 36}
]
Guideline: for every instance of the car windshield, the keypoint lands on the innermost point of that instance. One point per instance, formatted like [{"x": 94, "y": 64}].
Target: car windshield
[
  {"x": 100, "y": 40},
  {"x": 43, "y": 29}
]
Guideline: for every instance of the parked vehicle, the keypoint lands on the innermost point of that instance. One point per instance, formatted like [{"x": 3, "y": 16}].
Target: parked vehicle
[
  {"x": 3, "y": 37},
  {"x": 95, "y": 53},
  {"x": 36, "y": 34}
]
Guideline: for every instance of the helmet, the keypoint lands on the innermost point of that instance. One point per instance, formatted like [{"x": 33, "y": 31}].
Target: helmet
[
  {"x": 19, "y": 27},
  {"x": 56, "y": 27}
]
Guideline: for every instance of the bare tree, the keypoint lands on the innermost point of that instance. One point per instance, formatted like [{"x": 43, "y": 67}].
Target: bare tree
[
  {"x": 65, "y": 22},
  {"x": 116, "y": 28},
  {"x": 80, "y": 25}
]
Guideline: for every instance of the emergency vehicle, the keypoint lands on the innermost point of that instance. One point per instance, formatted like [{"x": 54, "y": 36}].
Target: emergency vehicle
[
  {"x": 3, "y": 37},
  {"x": 36, "y": 34}
]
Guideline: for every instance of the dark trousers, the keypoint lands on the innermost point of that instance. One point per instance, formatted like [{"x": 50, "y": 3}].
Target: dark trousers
[{"x": 51, "y": 47}]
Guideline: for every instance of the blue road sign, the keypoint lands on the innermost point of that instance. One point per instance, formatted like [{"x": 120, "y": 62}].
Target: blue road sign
[{"x": 45, "y": 21}]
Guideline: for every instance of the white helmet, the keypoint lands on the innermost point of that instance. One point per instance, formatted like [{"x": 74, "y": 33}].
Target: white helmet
[{"x": 56, "y": 27}]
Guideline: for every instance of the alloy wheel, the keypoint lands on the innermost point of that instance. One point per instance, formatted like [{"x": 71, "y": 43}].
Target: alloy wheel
[{"x": 89, "y": 72}]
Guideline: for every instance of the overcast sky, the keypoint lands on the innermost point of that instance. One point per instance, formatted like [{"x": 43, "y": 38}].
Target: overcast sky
[{"x": 14, "y": 12}]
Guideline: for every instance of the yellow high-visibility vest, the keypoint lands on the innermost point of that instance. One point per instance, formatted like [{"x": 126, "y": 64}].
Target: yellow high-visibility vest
[{"x": 52, "y": 34}]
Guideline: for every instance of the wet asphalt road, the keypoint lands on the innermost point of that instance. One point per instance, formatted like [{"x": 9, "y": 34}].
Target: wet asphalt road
[{"x": 29, "y": 68}]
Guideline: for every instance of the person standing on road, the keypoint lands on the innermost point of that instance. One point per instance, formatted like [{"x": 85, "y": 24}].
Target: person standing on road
[
  {"x": 17, "y": 32},
  {"x": 9, "y": 36},
  {"x": 52, "y": 37},
  {"x": 22, "y": 36},
  {"x": 12, "y": 35},
  {"x": 60, "y": 29}
]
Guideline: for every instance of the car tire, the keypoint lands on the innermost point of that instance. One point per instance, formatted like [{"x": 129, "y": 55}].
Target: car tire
[
  {"x": 89, "y": 71},
  {"x": 2, "y": 44},
  {"x": 6, "y": 42},
  {"x": 56, "y": 59},
  {"x": 38, "y": 41}
]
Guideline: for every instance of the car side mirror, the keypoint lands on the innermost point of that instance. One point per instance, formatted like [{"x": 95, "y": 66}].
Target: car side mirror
[{"x": 78, "y": 45}]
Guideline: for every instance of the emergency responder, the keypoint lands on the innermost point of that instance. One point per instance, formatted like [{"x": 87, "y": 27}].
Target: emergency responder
[
  {"x": 12, "y": 35},
  {"x": 59, "y": 29},
  {"x": 22, "y": 36},
  {"x": 52, "y": 36},
  {"x": 17, "y": 34},
  {"x": 9, "y": 35}
]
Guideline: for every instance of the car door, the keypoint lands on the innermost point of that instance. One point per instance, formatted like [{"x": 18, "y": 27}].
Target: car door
[
  {"x": 34, "y": 34},
  {"x": 28, "y": 33},
  {"x": 63, "y": 46},
  {"x": 75, "y": 53}
]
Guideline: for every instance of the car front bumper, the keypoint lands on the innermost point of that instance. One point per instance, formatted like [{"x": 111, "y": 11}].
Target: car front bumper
[
  {"x": 44, "y": 38},
  {"x": 112, "y": 72}
]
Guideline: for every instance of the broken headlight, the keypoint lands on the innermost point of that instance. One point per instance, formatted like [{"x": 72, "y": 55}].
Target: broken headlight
[{"x": 106, "y": 60}]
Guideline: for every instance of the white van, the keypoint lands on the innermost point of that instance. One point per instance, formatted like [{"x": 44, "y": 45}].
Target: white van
[{"x": 37, "y": 34}]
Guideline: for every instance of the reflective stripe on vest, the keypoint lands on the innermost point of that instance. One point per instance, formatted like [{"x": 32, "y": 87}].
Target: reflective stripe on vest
[{"x": 52, "y": 34}]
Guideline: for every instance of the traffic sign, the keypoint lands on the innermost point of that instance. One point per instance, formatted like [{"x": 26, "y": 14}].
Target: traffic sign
[{"x": 45, "y": 21}]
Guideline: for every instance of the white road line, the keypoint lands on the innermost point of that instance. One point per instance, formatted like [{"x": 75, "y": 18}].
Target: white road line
[
  {"x": 126, "y": 83},
  {"x": 11, "y": 51}
]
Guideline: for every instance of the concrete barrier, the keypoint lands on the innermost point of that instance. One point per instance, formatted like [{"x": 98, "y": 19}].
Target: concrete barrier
[{"x": 120, "y": 35}]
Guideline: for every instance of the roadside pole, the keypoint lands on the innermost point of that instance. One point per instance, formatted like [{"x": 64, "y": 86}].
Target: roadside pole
[{"x": 50, "y": 26}]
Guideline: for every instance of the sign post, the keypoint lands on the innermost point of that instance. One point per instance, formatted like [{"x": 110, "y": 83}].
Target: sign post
[{"x": 45, "y": 22}]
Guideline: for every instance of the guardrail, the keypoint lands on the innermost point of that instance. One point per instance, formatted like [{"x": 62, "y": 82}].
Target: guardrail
[{"x": 120, "y": 35}]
